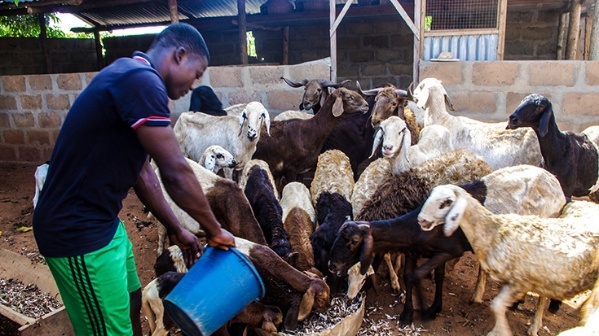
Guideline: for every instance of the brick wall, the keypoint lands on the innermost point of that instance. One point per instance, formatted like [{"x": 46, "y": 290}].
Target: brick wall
[
  {"x": 490, "y": 91},
  {"x": 33, "y": 107}
]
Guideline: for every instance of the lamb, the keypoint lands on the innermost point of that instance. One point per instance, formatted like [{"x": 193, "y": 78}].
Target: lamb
[
  {"x": 239, "y": 135},
  {"x": 316, "y": 92},
  {"x": 524, "y": 189},
  {"x": 553, "y": 257},
  {"x": 294, "y": 145},
  {"x": 260, "y": 191},
  {"x": 498, "y": 146},
  {"x": 228, "y": 203},
  {"x": 394, "y": 135},
  {"x": 215, "y": 158},
  {"x": 368, "y": 182},
  {"x": 298, "y": 219},
  {"x": 40, "y": 178},
  {"x": 330, "y": 191},
  {"x": 203, "y": 99},
  {"x": 573, "y": 158}
]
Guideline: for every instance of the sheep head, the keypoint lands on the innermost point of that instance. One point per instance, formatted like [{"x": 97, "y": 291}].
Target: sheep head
[
  {"x": 215, "y": 157},
  {"x": 255, "y": 115},
  {"x": 423, "y": 91},
  {"x": 534, "y": 111},
  {"x": 315, "y": 90},
  {"x": 347, "y": 101},
  {"x": 395, "y": 137},
  {"x": 446, "y": 204},
  {"x": 352, "y": 244},
  {"x": 389, "y": 101}
]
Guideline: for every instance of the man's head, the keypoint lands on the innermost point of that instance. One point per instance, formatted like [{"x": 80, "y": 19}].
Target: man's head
[{"x": 181, "y": 56}]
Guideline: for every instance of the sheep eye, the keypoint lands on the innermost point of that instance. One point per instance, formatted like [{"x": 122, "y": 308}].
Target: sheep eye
[
  {"x": 219, "y": 156},
  {"x": 445, "y": 204}
]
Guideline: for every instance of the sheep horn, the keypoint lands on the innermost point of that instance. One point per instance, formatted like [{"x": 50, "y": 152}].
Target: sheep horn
[
  {"x": 294, "y": 84},
  {"x": 402, "y": 93},
  {"x": 328, "y": 83},
  {"x": 371, "y": 92},
  {"x": 410, "y": 96}
]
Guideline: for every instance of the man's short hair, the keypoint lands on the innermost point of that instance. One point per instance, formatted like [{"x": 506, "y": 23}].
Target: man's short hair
[{"x": 182, "y": 35}]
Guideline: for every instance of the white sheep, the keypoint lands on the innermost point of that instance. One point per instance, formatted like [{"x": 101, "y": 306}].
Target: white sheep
[
  {"x": 395, "y": 138},
  {"x": 368, "y": 182},
  {"x": 498, "y": 146},
  {"x": 239, "y": 135},
  {"x": 292, "y": 114},
  {"x": 215, "y": 158},
  {"x": 553, "y": 257},
  {"x": 333, "y": 174}
]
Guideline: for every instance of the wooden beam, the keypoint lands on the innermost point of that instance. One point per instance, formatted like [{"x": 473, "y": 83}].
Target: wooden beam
[
  {"x": 418, "y": 41},
  {"x": 404, "y": 15},
  {"x": 588, "y": 28},
  {"x": 594, "y": 48},
  {"x": 286, "y": 45},
  {"x": 333, "y": 40},
  {"x": 561, "y": 35},
  {"x": 243, "y": 42},
  {"x": 99, "y": 56},
  {"x": 173, "y": 11},
  {"x": 501, "y": 20},
  {"x": 340, "y": 17},
  {"x": 573, "y": 30},
  {"x": 44, "y": 41}
]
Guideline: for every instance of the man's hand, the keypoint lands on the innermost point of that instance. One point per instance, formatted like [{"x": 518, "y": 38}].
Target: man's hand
[
  {"x": 189, "y": 244},
  {"x": 222, "y": 240}
]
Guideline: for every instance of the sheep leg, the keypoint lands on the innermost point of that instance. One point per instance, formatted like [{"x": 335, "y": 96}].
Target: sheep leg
[
  {"x": 479, "y": 290},
  {"x": 408, "y": 309},
  {"x": 161, "y": 238},
  {"x": 499, "y": 305},
  {"x": 392, "y": 273},
  {"x": 538, "y": 321},
  {"x": 437, "y": 262}
]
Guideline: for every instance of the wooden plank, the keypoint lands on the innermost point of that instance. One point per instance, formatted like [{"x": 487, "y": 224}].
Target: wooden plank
[
  {"x": 573, "y": 30},
  {"x": 15, "y": 316},
  {"x": 501, "y": 19},
  {"x": 173, "y": 11},
  {"x": 340, "y": 17},
  {"x": 56, "y": 323},
  {"x": 404, "y": 15},
  {"x": 461, "y": 32},
  {"x": 13, "y": 265},
  {"x": 243, "y": 39},
  {"x": 333, "y": 41},
  {"x": 561, "y": 35}
]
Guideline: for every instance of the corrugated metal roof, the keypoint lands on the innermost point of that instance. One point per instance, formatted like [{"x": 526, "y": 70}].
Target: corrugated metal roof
[{"x": 129, "y": 13}]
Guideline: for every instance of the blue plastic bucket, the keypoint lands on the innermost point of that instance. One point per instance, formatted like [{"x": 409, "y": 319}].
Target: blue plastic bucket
[{"x": 216, "y": 288}]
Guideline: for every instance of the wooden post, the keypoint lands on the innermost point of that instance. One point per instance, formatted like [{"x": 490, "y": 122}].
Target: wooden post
[
  {"x": 333, "y": 41},
  {"x": 174, "y": 11},
  {"x": 594, "y": 48},
  {"x": 286, "y": 45},
  {"x": 573, "y": 30},
  {"x": 561, "y": 35},
  {"x": 99, "y": 56},
  {"x": 44, "y": 39},
  {"x": 418, "y": 40},
  {"x": 588, "y": 28},
  {"x": 501, "y": 19},
  {"x": 243, "y": 43}
]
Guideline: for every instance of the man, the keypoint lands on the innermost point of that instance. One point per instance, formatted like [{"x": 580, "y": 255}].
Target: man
[{"x": 120, "y": 120}]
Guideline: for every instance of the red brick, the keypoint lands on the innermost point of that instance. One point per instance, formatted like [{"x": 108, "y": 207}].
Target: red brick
[
  {"x": 4, "y": 120},
  {"x": 13, "y": 83},
  {"x": 38, "y": 137},
  {"x": 8, "y": 102},
  {"x": 12, "y": 137},
  {"x": 31, "y": 102},
  {"x": 29, "y": 154},
  {"x": 58, "y": 102},
  {"x": 23, "y": 119},
  {"x": 40, "y": 82},
  {"x": 8, "y": 153},
  {"x": 70, "y": 82},
  {"x": 49, "y": 120}
]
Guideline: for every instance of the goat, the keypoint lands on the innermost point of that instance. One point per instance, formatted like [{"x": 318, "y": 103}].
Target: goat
[
  {"x": 498, "y": 146},
  {"x": 197, "y": 131},
  {"x": 261, "y": 193},
  {"x": 294, "y": 145},
  {"x": 203, "y": 99},
  {"x": 553, "y": 257},
  {"x": 316, "y": 92},
  {"x": 573, "y": 158}
]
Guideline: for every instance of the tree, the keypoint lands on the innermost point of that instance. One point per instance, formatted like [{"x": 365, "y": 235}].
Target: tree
[{"x": 28, "y": 26}]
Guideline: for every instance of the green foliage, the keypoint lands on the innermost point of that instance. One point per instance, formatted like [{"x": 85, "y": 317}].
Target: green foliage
[
  {"x": 251, "y": 47},
  {"x": 428, "y": 23},
  {"x": 28, "y": 26}
]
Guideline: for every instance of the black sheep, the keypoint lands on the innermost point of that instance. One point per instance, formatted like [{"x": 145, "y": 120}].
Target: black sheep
[{"x": 203, "y": 99}]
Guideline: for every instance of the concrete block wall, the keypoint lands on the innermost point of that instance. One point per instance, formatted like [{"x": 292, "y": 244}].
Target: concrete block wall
[
  {"x": 490, "y": 91},
  {"x": 33, "y": 107}
]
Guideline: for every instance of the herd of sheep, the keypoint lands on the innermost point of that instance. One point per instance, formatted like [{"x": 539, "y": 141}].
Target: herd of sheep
[{"x": 393, "y": 176}]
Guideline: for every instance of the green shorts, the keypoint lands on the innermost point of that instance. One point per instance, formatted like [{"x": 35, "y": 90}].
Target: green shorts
[{"x": 95, "y": 287}]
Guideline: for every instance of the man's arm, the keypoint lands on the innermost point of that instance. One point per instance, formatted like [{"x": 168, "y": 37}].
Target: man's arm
[{"x": 180, "y": 182}]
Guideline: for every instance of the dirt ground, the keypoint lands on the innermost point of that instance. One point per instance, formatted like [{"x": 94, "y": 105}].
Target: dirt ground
[{"x": 458, "y": 317}]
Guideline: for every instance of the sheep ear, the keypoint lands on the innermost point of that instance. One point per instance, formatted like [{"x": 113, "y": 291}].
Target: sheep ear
[
  {"x": 242, "y": 118},
  {"x": 266, "y": 117},
  {"x": 306, "y": 304},
  {"x": 449, "y": 103},
  {"x": 210, "y": 162},
  {"x": 454, "y": 216},
  {"x": 406, "y": 142},
  {"x": 378, "y": 137},
  {"x": 290, "y": 322},
  {"x": 367, "y": 253},
  {"x": 545, "y": 120},
  {"x": 338, "y": 106}
]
